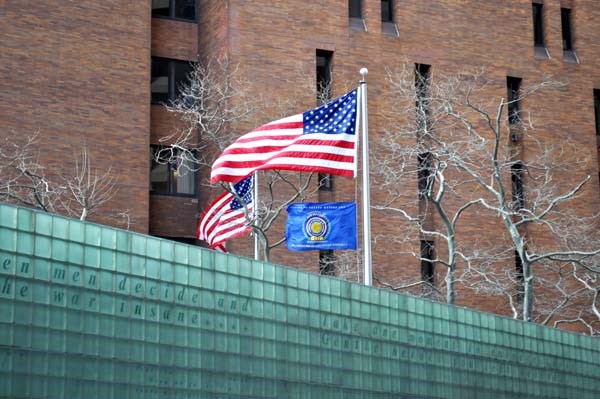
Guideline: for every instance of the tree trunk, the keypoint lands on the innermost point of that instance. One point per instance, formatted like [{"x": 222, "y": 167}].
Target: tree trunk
[
  {"x": 450, "y": 290},
  {"x": 528, "y": 291},
  {"x": 266, "y": 249},
  {"x": 450, "y": 293},
  {"x": 527, "y": 272}
]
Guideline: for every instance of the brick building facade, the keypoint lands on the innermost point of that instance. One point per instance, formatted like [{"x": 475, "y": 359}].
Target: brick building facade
[{"x": 79, "y": 74}]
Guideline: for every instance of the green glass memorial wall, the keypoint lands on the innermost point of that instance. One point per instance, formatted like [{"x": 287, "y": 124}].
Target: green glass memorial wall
[{"x": 88, "y": 311}]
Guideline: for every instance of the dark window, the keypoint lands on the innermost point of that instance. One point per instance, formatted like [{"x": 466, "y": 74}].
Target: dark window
[
  {"x": 424, "y": 174},
  {"x": 422, "y": 76},
  {"x": 387, "y": 11},
  {"x": 323, "y": 78},
  {"x": 516, "y": 177},
  {"x": 565, "y": 18},
  {"x": 168, "y": 76},
  {"x": 422, "y": 79},
  {"x": 327, "y": 262},
  {"x": 178, "y": 9},
  {"x": 169, "y": 174},
  {"x": 185, "y": 9},
  {"x": 159, "y": 84},
  {"x": 519, "y": 277},
  {"x": 597, "y": 112},
  {"x": 355, "y": 8},
  {"x": 427, "y": 265},
  {"x": 538, "y": 25},
  {"x": 325, "y": 182},
  {"x": 161, "y": 8},
  {"x": 513, "y": 87},
  {"x": 324, "y": 62}
]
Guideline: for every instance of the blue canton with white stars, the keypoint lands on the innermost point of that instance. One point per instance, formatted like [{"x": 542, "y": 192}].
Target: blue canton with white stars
[
  {"x": 335, "y": 117},
  {"x": 244, "y": 190}
]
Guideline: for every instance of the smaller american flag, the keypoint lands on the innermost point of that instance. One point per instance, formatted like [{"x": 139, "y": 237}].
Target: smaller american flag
[
  {"x": 224, "y": 218},
  {"x": 319, "y": 140}
]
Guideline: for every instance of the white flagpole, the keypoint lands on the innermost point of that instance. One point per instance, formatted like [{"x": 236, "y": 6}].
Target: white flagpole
[
  {"x": 255, "y": 200},
  {"x": 366, "y": 202}
]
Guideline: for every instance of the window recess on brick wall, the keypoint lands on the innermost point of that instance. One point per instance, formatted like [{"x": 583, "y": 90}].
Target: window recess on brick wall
[
  {"x": 324, "y": 62},
  {"x": 424, "y": 174},
  {"x": 355, "y": 8},
  {"x": 169, "y": 174},
  {"x": 184, "y": 10},
  {"x": 325, "y": 182},
  {"x": 538, "y": 30},
  {"x": 388, "y": 23},
  {"x": 167, "y": 78},
  {"x": 427, "y": 264},
  {"x": 519, "y": 278},
  {"x": 567, "y": 35},
  {"x": 327, "y": 262},
  {"x": 518, "y": 193},
  {"x": 513, "y": 88},
  {"x": 355, "y": 14},
  {"x": 387, "y": 11},
  {"x": 424, "y": 159},
  {"x": 422, "y": 82}
]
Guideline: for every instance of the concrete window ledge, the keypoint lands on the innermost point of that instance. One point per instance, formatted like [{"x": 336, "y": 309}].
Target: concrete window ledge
[{"x": 357, "y": 24}]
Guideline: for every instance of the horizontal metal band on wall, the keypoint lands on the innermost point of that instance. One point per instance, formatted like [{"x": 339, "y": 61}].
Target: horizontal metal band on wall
[{"x": 88, "y": 311}]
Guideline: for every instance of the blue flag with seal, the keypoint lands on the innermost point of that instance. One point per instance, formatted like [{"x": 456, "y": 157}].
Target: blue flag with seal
[{"x": 323, "y": 225}]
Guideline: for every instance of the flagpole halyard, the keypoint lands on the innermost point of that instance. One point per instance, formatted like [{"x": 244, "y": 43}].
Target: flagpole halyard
[{"x": 366, "y": 202}]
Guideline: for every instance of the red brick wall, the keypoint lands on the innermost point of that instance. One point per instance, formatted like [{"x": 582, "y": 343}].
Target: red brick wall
[
  {"x": 213, "y": 28},
  {"x": 78, "y": 72},
  {"x": 174, "y": 39},
  {"x": 171, "y": 216}
]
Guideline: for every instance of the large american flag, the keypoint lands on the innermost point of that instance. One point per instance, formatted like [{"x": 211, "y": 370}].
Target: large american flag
[
  {"x": 320, "y": 140},
  {"x": 225, "y": 218}
]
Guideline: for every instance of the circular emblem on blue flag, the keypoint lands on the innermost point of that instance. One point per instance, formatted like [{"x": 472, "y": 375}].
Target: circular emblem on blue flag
[{"x": 316, "y": 227}]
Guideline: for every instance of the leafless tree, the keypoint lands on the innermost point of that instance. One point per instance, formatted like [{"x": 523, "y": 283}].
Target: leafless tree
[
  {"x": 89, "y": 188},
  {"x": 455, "y": 139},
  {"x": 24, "y": 180}
]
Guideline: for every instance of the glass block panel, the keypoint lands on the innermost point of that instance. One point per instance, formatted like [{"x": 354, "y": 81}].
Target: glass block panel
[
  {"x": 8, "y": 216},
  {"x": 137, "y": 265},
  {"x": 25, "y": 220},
  {"x": 8, "y": 240},
  {"x": 93, "y": 234},
  {"x": 153, "y": 248},
  {"x": 123, "y": 241},
  {"x": 43, "y": 247},
  {"x": 25, "y": 243},
  {"x": 182, "y": 254},
  {"x": 130, "y": 325},
  {"x": 167, "y": 271},
  {"x": 167, "y": 250},
  {"x": 91, "y": 256}
]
